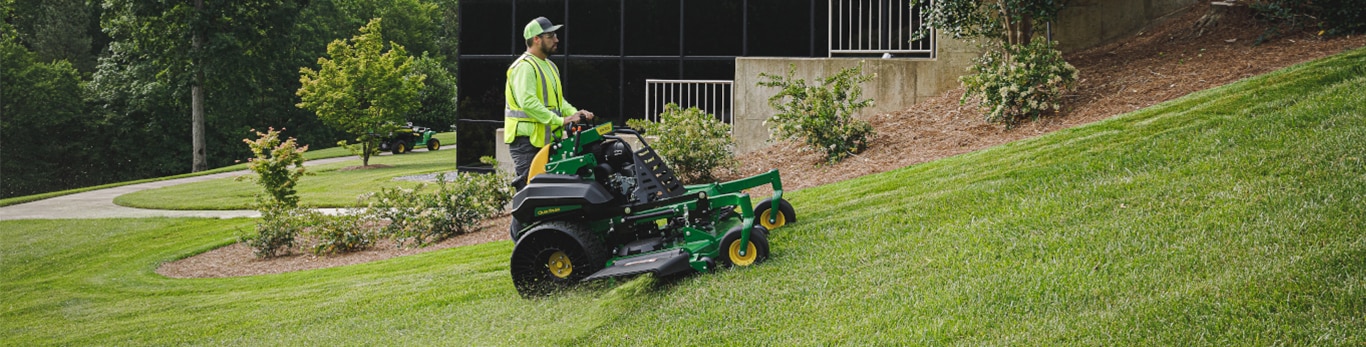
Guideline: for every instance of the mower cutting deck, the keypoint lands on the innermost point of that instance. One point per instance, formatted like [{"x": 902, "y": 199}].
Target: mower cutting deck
[{"x": 595, "y": 208}]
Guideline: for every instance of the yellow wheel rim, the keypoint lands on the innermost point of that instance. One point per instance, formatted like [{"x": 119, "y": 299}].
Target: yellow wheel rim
[
  {"x": 559, "y": 265},
  {"x": 763, "y": 220},
  {"x": 751, "y": 253}
]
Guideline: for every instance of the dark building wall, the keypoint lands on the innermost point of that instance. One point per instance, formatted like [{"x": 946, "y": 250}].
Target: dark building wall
[{"x": 608, "y": 48}]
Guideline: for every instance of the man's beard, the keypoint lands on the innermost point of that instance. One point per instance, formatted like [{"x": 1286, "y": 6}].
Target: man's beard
[{"x": 549, "y": 47}]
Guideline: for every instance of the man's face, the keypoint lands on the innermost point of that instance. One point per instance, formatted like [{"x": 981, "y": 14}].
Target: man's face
[{"x": 550, "y": 43}]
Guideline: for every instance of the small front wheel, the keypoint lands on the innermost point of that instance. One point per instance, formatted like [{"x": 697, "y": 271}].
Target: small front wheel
[
  {"x": 764, "y": 211},
  {"x": 753, "y": 252},
  {"x": 433, "y": 144}
]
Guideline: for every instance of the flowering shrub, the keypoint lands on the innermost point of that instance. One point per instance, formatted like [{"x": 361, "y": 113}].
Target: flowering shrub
[
  {"x": 822, "y": 117},
  {"x": 278, "y": 229},
  {"x": 1024, "y": 82},
  {"x": 693, "y": 142},
  {"x": 343, "y": 233},
  {"x": 455, "y": 208}
]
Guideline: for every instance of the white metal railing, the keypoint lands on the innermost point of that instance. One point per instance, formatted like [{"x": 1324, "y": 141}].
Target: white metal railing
[
  {"x": 877, "y": 27},
  {"x": 711, "y": 96}
]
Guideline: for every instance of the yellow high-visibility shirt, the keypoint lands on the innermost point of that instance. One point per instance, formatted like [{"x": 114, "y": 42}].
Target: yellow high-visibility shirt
[{"x": 535, "y": 101}]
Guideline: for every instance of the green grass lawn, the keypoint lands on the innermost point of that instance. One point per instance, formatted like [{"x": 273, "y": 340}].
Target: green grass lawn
[
  {"x": 329, "y": 187},
  {"x": 1231, "y": 217},
  {"x": 446, "y": 138}
]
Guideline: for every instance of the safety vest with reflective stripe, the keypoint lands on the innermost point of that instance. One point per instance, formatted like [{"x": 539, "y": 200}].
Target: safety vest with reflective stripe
[{"x": 535, "y": 105}]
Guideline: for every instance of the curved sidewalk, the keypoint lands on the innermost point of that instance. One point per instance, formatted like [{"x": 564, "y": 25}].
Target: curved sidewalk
[{"x": 100, "y": 203}]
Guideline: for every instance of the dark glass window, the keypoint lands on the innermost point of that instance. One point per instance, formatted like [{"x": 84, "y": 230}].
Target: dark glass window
[
  {"x": 714, "y": 28},
  {"x": 652, "y": 27},
  {"x": 608, "y": 49},
  {"x": 596, "y": 28}
]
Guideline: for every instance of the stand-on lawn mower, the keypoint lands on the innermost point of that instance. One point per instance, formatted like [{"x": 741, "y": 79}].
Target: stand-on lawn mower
[{"x": 593, "y": 208}]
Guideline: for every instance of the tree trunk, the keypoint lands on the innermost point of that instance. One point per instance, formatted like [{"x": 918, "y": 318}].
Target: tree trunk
[
  {"x": 1025, "y": 30},
  {"x": 1210, "y": 20},
  {"x": 201, "y": 162},
  {"x": 365, "y": 153}
]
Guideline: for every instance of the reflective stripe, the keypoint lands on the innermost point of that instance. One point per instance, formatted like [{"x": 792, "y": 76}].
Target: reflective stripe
[
  {"x": 522, "y": 117},
  {"x": 519, "y": 115}
]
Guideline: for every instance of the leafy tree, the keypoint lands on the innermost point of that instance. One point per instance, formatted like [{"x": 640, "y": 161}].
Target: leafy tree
[
  {"x": 60, "y": 30},
  {"x": 437, "y": 96},
  {"x": 189, "y": 44},
  {"x": 363, "y": 89},
  {"x": 1005, "y": 22},
  {"x": 40, "y": 112}
]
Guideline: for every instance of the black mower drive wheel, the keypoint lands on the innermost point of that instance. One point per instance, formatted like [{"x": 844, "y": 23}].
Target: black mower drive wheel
[
  {"x": 554, "y": 256},
  {"x": 433, "y": 144},
  {"x": 763, "y": 211},
  {"x": 399, "y": 147},
  {"x": 756, "y": 251}
]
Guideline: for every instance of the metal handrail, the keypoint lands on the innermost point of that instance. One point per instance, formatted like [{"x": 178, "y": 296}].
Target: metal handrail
[
  {"x": 877, "y": 27},
  {"x": 711, "y": 96}
]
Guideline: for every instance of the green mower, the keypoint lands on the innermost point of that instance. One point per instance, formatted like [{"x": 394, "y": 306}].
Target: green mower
[{"x": 593, "y": 208}]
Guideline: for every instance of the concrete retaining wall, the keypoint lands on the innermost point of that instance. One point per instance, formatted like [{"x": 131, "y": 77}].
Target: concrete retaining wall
[{"x": 900, "y": 83}]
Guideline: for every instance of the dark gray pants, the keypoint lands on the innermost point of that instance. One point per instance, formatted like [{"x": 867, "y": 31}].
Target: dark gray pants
[{"x": 522, "y": 153}]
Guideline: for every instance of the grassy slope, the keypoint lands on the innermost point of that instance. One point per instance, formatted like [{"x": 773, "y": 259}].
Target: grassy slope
[
  {"x": 1230, "y": 217},
  {"x": 328, "y": 187}
]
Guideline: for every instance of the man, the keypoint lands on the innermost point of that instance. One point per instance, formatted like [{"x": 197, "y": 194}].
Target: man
[{"x": 536, "y": 109}]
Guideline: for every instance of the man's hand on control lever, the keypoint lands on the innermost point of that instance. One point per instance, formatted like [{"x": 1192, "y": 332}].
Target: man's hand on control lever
[{"x": 577, "y": 117}]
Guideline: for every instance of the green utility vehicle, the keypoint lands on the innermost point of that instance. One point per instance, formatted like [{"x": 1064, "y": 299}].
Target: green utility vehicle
[
  {"x": 409, "y": 137},
  {"x": 595, "y": 208}
]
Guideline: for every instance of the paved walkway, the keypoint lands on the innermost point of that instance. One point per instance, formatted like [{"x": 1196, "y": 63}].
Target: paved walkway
[{"x": 100, "y": 203}]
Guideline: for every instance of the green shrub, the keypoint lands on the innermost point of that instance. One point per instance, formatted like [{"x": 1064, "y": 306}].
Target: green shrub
[
  {"x": 278, "y": 229},
  {"x": 1024, "y": 82},
  {"x": 822, "y": 117},
  {"x": 1331, "y": 17},
  {"x": 342, "y": 233},
  {"x": 278, "y": 166},
  {"x": 693, "y": 142},
  {"x": 420, "y": 218}
]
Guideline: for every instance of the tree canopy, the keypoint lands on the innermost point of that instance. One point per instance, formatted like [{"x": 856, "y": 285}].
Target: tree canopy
[
  {"x": 363, "y": 89},
  {"x": 1008, "y": 22},
  {"x": 136, "y": 62}
]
